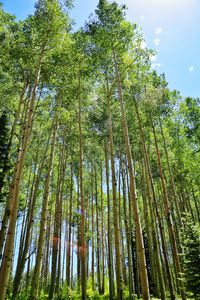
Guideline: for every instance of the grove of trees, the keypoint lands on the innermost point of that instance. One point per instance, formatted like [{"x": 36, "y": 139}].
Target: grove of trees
[{"x": 99, "y": 163}]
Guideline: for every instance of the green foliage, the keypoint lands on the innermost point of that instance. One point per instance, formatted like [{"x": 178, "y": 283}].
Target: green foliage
[
  {"x": 191, "y": 244},
  {"x": 190, "y": 109}
]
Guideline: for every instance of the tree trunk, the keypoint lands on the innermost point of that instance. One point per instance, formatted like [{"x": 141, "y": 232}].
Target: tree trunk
[
  {"x": 128, "y": 234},
  {"x": 57, "y": 225},
  {"x": 69, "y": 242},
  {"x": 110, "y": 259},
  {"x": 133, "y": 195},
  {"x": 97, "y": 234},
  {"x": 169, "y": 218},
  {"x": 22, "y": 261},
  {"x": 154, "y": 208},
  {"x": 82, "y": 249},
  {"x": 14, "y": 192},
  {"x": 7, "y": 157},
  {"x": 35, "y": 280},
  {"x": 119, "y": 277},
  {"x": 102, "y": 236},
  {"x": 92, "y": 204}
]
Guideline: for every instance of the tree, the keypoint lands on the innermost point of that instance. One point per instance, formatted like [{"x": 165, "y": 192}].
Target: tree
[{"x": 191, "y": 256}]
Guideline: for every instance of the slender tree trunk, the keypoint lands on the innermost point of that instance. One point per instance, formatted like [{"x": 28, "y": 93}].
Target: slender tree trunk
[
  {"x": 22, "y": 260},
  {"x": 83, "y": 249},
  {"x": 24, "y": 222},
  {"x": 98, "y": 235},
  {"x": 7, "y": 209},
  {"x": 57, "y": 223},
  {"x": 196, "y": 204},
  {"x": 153, "y": 202},
  {"x": 72, "y": 260},
  {"x": 169, "y": 218},
  {"x": 121, "y": 226},
  {"x": 119, "y": 277},
  {"x": 69, "y": 242},
  {"x": 14, "y": 193},
  {"x": 14, "y": 125},
  {"x": 110, "y": 259},
  {"x": 45, "y": 272},
  {"x": 40, "y": 250},
  {"x": 102, "y": 236},
  {"x": 28, "y": 270},
  {"x": 152, "y": 272},
  {"x": 133, "y": 195},
  {"x": 128, "y": 234},
  {"x": 171, "y": 177},
  {"x": 92, "y": 267},
  {"x": 78, "y": 237}
]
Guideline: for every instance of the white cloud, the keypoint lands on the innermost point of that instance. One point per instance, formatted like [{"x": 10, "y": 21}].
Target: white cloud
[
  {"x": 153, "y": 58},
  {"x": 191, "y": 68},
  {"x": 156, "y": 42},
  {"x": 142, "y": 18},
  {"x": 143, "y": 45},
  {"x": 158, "y": 30},
  {"x": 156, "y": 65}
]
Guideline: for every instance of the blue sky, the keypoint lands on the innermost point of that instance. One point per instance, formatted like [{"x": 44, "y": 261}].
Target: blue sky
[{"x": 171, "y": 27}]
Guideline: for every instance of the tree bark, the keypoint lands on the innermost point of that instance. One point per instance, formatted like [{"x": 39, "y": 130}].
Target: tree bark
[
  {"x": 29, "y": 220},
  {"x": 14, "y": 192},
  {"x": 40, "y": 250},
  {"x": 119, "y": 277},
  {"x": 110, "y": 259},
  {"x": 69, "y": 242},
  {"x": 83, "y": 248},
  {"x": 169, "y": 218},
  {"x": 133, "y": 195}
]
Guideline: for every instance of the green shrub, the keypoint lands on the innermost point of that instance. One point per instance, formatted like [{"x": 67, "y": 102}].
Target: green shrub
[{"x": 191, "y": 257}]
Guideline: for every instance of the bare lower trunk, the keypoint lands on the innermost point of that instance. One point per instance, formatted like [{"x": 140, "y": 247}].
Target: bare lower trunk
[
  {"x": 22, "y": 261},
  {"x": 40, "y": 250},
  {"x": 169, "y": 219},
  {"x": 69, "y": 242},
  {"x": 119, "y": 277},
  {"x": 110, "y": 259},
  {"x": 82, "y": 249}
]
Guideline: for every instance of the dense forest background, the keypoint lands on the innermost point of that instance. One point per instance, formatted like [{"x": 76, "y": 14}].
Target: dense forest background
[{"x": 99, "y": 163}]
